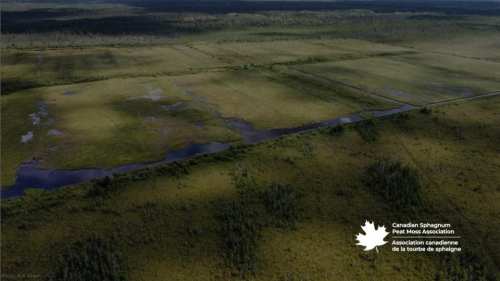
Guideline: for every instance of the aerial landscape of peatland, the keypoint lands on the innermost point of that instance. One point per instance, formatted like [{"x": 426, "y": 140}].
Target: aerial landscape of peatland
[{"x": 250, "y": 140}]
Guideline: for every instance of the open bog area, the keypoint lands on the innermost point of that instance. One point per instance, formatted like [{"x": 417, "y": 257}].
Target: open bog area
[
  {"x": 475, "y": 46},
  {"x": 401, "y": 79},
  {"x": 120, "y": 121},
  {"x": 25, "y": 69},
  {"x": 459, "y": 65},
  {"x": 68, "y": 64},
  {"x": 250, "y": 140}
]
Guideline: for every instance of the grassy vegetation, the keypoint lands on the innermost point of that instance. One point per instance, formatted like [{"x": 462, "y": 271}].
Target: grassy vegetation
[
  {"x": 169, "y": 226},
  {"x": 279, "y": 97},
  {"x": 412, "y": 83},
  {"x": 455, "y": 64},
  {"x": 120, "y": 121},
  {"x": 29, "y": 69},
  {"x": 105, "y": 124},
  {"x": 51, "y": 67},
  {"x": 62, "y": 64},
  {"x": 266, "y": 52},
  {"x": 475, "y": 46}
]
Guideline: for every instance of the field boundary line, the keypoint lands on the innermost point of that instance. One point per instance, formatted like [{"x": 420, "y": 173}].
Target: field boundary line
[
  {"x": 91, "y": 68},
  {"x": 171, "y": 57},
  {"x": 351, "y": 87},
  {"x": 346, "y": 57},
  {"x": 39, "y": 64},
  {"x": 421, "y": 50},
  {"x": 131, "y": 59},
  {"x": 30, "y": 84},
  {"x": 492, "y": 94},
  {"x": 460, "y": 72}
]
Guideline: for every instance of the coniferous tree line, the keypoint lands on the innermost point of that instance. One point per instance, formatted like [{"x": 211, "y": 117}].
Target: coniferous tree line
[
  {"x": 239, "y": 231},
  {"x": 93, "y": 259},
  {"x": 398, "y": 184},
  {"x": 281, "y": 200},
  {"x": 153, "y": 22}
]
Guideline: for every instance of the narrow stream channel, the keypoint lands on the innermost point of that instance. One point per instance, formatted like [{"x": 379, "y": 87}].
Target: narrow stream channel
[{"x": 31, "y": 176}]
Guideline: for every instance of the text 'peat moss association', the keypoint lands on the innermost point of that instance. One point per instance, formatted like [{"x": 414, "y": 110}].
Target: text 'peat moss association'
[
  {"x": 422, "y": 229},
  {"x": 424, "y": 237}
]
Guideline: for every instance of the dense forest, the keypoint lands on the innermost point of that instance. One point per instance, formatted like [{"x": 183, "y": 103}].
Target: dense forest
[{"x": 156, "y": 22}]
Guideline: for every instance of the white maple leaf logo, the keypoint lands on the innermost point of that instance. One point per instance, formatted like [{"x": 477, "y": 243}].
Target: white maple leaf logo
[{"x": 373, "y": 238}]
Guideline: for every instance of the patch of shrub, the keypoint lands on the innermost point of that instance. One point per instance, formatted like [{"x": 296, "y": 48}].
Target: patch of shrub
[
  {"x": 398, "y": 184},
  {"x": 240, "y": 236},
  {"x": 102, "y": 187},
  {"x": 89, "y": 260},
  {"x": 457, "y": 131},
  {"x": 244, "y": 177},
  {"x": 193, "y": 230},
  {"x": 426, "y": 110},
  {"x": 290, "y": 160},
  {"x": 282, "y": 201},
  {"x": 307, "y": 149},
  {"x": 173, "y": 169},
  {"x": 401, "y": 119},
  {"x": 344, "y": 192},
  {"x": 5, "y": 212},
  {"x": 337, "y": 131},
  {"x": 367, "y": 130}
]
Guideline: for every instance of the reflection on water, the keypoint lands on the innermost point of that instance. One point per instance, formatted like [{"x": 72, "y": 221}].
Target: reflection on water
[
  {"x": 57, "y": 133},
  {"x": 27, "y": 137},
  {"x": 31, "y": 176},
  {"x": 35, "y": 116},
  {"x": 380, "y": 113},
  {"x": 172, "y": 106},
  {"x": 250, "y": 135}
]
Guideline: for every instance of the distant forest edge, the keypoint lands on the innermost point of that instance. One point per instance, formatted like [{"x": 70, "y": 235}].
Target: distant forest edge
[
  {"x": 75, "y": 24},
  {"x": 236, "y": 6},
  {"x": 449, "y": 7}
]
